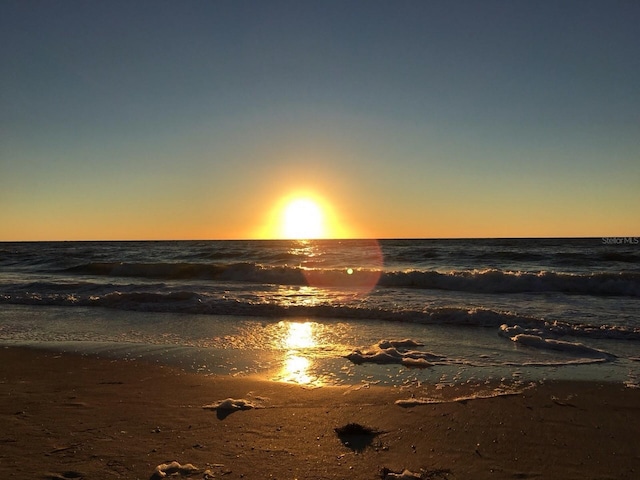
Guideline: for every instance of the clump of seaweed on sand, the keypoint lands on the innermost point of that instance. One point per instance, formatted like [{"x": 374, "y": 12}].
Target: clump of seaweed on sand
[{"x": 355, "y": 436}]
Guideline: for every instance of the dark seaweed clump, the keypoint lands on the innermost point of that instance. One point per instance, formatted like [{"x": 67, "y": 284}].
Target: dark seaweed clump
[{"x": 355, "y": 436}]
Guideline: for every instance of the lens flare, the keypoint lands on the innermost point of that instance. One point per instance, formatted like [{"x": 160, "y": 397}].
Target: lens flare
[{"x": 358, "y": 274}]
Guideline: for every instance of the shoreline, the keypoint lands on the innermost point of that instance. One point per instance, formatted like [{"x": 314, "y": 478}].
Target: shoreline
[
  {"x": 73, "y": 416},
  {"x": 208, "y": 343}
]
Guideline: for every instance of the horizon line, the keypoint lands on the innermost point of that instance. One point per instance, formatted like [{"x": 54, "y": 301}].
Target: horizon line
[{"x": 337, "y": 239}]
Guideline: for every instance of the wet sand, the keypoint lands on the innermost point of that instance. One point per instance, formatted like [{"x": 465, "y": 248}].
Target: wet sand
[{"x": 71, "y": 417}]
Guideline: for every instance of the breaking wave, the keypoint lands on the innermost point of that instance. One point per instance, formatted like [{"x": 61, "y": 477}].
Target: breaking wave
[
  {"x": 186, "y": 301},
  {"x": 497, "y": 281},
  {"x": 479, "y": 281}
]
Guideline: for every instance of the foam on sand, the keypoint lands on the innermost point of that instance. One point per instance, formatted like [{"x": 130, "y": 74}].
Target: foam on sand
[
  {"x": 174, "y": 468},
  {"x": 395, "y": 351},
  {"x": 499, "y": 391},
  {"x": 404, "y": 475}
]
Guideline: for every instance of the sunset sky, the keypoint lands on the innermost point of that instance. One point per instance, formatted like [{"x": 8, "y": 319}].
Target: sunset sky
[{"x": 198, "y": 119}]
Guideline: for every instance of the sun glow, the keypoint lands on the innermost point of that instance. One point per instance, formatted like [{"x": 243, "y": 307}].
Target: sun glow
[
  {"x": 303, "y": 219},
  {"x": 304, "y": 215}
]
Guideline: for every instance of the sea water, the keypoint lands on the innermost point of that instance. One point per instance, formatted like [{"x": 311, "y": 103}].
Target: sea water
[{"x": 334, "y": 312}]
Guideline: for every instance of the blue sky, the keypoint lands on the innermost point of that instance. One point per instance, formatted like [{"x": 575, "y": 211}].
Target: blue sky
[{"x": 410, "y": 119}]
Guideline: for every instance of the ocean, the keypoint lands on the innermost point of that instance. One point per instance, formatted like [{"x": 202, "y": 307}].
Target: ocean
[{"x": 327, "y": 312}]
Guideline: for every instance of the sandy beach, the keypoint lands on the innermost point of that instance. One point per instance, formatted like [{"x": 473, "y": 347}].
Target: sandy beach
[{"x": 67, "y": 416}]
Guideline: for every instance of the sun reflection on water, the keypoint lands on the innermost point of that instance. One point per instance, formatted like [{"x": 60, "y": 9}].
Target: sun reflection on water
[{"x": 302, "y": 296}]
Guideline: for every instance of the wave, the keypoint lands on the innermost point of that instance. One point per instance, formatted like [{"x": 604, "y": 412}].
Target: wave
[
  {"x": 478, "y": 254},
  {"x": 498, "y": 281},
  {"x": 569, "y": 258},
  {"x": 528, "y": 254},
  {"x": 478, "y": 281},
  {"x": 242, "y": 271},
  {"x": 186, "y": 301}
]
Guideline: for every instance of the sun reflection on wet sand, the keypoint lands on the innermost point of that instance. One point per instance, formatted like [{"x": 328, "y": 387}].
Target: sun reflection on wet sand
[
  {"x": 297, "y": 363},
  {"x": 300, "y": 335},
  {"x": 295, "y": 369},
  {"x": 299, "y": 350}
]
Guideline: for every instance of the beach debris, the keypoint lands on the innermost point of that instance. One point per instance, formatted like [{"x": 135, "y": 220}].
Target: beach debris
[
  {"x": 226, "y": 407},
  {"x": 387, "y": 474},
  {"x": 395, "y": 351},
  {"x": 355, "y": 429},
  {"x": 174, "y": 468},
  {"x": 355, "y": 436}
]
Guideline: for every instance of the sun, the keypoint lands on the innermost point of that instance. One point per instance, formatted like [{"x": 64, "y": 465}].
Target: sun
[
  {"x": 303, "y": 219},
  {"x": 303, "y": 215}
]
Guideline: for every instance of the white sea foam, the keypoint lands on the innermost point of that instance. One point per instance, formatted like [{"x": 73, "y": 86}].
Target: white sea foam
[
  {"x": 499, "y": 391},
  {"x": 395, "y": 351},
  {"x": 535, "y": 338},
  {"x": 404, "y": 475},
  {"x": 220, "y": 301},
  {"x": 633, "y": 379},
  {"x": 174, "y": 468},
  {"x": 406, "y": 343}
]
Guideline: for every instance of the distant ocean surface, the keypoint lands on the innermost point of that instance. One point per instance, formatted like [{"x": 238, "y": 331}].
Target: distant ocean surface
[{"x": 330, "y": 312}]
